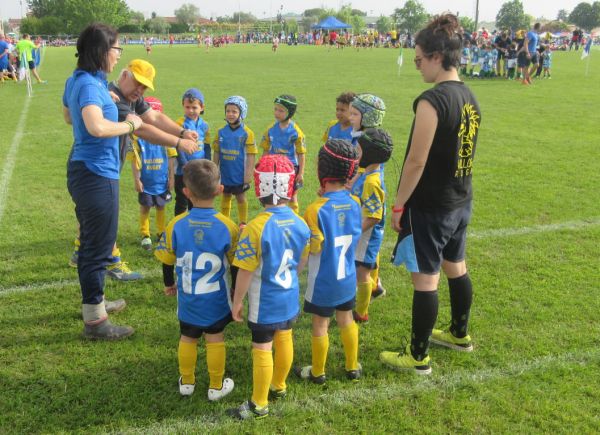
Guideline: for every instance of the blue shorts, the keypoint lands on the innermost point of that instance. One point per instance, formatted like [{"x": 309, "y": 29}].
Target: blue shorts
[
  {"x": 428, "y": 238},
  {"x": 329, "y": 311},
  {"x": 236, "y": 189},
  {"x": 194, "y": 331},
  {"x": 148, "y": 200}
]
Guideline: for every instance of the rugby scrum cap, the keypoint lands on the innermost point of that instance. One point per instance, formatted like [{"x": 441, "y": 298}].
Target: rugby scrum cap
[
  {"x": 193, "y": 94},
  {"x": 274, "y": 175},
  {"x": 338, "y": 161},
  {"x": 241, "y": 104},
  {"x": 155, "y": 103},
  {"x": 289, "y": 102},
  {"x": 372, "y": 109},
  {"x": 376, "y": 145},
  {"x": 143, "y": 72}
]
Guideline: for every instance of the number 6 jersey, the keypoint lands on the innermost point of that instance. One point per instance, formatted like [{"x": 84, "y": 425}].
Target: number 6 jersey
[
  {"x": 271, "y": 246},
  {"x": 201, "y": 244}
]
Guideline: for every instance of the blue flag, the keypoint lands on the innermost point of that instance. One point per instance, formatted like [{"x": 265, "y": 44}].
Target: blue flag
[{"x": 587, "y": 48}]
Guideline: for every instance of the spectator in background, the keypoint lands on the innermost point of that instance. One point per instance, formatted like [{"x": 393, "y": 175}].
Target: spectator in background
[{"x": 25, "y": 49}]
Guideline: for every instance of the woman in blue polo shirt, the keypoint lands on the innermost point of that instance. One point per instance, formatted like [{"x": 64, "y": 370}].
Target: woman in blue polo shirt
[{"x": 93, "y": 169}]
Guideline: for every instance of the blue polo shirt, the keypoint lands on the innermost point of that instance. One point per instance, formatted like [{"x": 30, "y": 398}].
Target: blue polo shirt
[
  {"x": 3, "y": 60},
  {"x": 100, "y": 155},
  {"x": 533, "y": 39}
]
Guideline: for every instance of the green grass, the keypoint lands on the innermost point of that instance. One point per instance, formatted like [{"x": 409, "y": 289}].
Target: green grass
[{"x": 536, "y": 362}]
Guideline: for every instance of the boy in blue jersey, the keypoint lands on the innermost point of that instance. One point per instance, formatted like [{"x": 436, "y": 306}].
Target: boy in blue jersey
[
  {"x": 153, "y": 168},
  {"x": 193, "y": 106},
  {"x": 334, "y": 220},
  {"x": 376, "y": 146},
  {"x": 273, "y": 247},
  {"x": 285, "y": 137},
  {"x": 234, "y": 151},
  {"x": 341, "y": 128},
  {"x": 199, "y": 246}
]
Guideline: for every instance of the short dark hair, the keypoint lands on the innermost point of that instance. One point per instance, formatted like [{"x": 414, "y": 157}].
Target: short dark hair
[
  {"x": 202, "y": 177},
  {"x": 93, "y": 46},
  {"x": 441, "y": 36},
  {"x": 537, "y": 26},
  {"x": 345, "y": 98}
]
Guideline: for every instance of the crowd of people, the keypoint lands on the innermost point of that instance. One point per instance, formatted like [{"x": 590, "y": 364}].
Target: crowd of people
[{"x": 17, "y": 57}]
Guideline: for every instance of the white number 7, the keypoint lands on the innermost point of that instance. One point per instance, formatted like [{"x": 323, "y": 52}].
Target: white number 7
[{"x": 344, "y": 242}]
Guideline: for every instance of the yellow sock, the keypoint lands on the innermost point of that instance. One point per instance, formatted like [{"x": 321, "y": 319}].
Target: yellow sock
[
  {"x": 77, "y": 244},
  {"x": 375, "y": 275},
  {"x": 294, "y": 206},
  {"x": 116, "y": 253},
  {"x": 243, "y": 212},
  {"x": 349, "y": 335},
  {"x": 284, "y": 356},
  {"x": 262, "y": 373},
  {"x": 215, "y": 361},
  {"x": 320, "y": 347},
  {"x": 363, "y": 297},
  {"x": 144, "y": 224},
  {"x": 226, "y": 204},
  {"x": 187, "y": 354},
  {"x": 160, "y": 220}
]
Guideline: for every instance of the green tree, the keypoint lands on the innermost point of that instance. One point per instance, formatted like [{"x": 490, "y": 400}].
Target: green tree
[
  {"x": 46, "y": 8},
  {"x": 291, "y": 26},
  {"x": 563, "y": 15},
  {"x": 467, "y": 23},
  {"x": 157, "y": 25},
  {"x": 583, "y": 16},
  {"x": 384, "y": 24},
  {"x": 344, "y": 14},
  {"x": 326, "y": 13},
  {"x": 359, "y": 12},
  {"x": 315, "y": 12},
  {"x": 307, "y": 21},
  {"x": 412, "y": 17},
  {"x": 30, "y": 25},
  {"x": 51, "y": 26},
  {"x": 188, "y": 14},
  {"x": 512, "y": 16},
  {"x": 244, "y": 18},
  {"x": 358, "y": 23},
  {"x": 596, "y": 13}
]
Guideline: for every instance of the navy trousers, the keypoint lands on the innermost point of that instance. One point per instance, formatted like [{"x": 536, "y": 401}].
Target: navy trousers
[{"x": 96, "y": 201}]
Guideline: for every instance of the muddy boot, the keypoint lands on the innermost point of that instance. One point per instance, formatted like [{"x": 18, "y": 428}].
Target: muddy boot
[{"x": 106, "y": 331}]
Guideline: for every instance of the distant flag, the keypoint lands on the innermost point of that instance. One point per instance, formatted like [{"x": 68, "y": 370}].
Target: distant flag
[
  {"x": 400, "y": 59},
  {"x": 587, "y": 48}
]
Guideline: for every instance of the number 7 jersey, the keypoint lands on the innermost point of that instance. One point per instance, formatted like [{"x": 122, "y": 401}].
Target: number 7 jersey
[
  {"x": 335, "y": 224},
  {"x": 201, "y": 244},
  {"x": 271, "y": 246}
]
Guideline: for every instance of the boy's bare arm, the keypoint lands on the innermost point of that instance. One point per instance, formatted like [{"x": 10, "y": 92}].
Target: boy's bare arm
[
  {"x": 249, "y": 169},
  {"x": 137, "y": 182},
  {"x": 242, "y": 284},
  {"x": 368, "y": 223}
]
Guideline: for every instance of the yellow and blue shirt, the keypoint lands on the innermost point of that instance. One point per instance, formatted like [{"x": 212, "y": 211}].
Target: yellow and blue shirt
[
  {"x": 201, "y": 127},
  {"x": 153, "y": 162},
  {"x": 232, "y": 146},
  {"x": 288, "y": 141},
  {"x": 370, "y": 188},
  {"x": 201, "y": 244},
  {"x": 271, "y": 246},
  {"x": 335, "y": 131},
  {"x": 335, "y": 228}
]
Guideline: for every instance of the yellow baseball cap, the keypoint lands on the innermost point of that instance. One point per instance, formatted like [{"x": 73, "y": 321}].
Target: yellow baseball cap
[{"x": 143, "y": 72}]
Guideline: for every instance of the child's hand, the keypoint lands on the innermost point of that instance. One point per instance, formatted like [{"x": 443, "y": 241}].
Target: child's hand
[
  {"x": 237, "y": 312},
  {"x": 171, "y": 185},
  {"x": 139, "y": 187},
  {"x": 170, "y": 291},
  {"x": 114, "y": 97},
  {"x": 300, "y": 179}
]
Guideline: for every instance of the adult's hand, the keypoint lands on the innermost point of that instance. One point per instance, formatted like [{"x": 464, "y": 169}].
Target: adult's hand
[
  {"x": 191, "y": 135},
  {"x": 395, "y": 221},
  {"x": 189, "y": 146},
  {"x": 137, "y": 121}
]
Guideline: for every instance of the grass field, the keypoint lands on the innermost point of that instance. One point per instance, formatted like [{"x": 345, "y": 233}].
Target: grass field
[{"x": 533, "y": 253}]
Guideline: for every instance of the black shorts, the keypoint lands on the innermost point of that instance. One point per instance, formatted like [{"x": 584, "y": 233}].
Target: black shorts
[
  {"x": 329, "y": 311},
  {"x": 235, "y": 190},
  {"x": 522, "y": 60},
  {"x": 535, "y": 58},
  {"x": 265, "y": 333},
  {"x": 148, "y": 200},
  {"x": 194, "y": 331},
  {"x": 427, "y": 238}
]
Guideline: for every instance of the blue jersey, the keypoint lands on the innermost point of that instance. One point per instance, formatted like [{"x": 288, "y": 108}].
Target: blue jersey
[
  {"x": 335, "y": 131},
  {"x": 271, "y": 246},
  {"x": 201, "y": 244},
  {"x": 370, "y": 188},
  {"x": 475, "y": 55},
  {"x": 201, "y": 127},
  {"x": 3, "y": 59},
  {"x": 335, "y": 225},
  {"x": 532, "y": 38},
  {"x": 153, "y": 163},
  {"x": 232, "y": 146},
  {"x": 288, "y": 141},
  {"x": 547, "y": 62},
  {"x": 100, "y": 155}
]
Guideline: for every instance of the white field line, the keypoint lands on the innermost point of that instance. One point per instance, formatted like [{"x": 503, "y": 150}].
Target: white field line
[
  {"x": 325, "y": 403},
  {"x": 500, "y": 232},
  {"x": 11, "y": 156}
]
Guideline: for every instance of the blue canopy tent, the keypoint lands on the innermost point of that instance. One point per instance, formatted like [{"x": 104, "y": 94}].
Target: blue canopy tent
[{"x": 330, "y": 23}]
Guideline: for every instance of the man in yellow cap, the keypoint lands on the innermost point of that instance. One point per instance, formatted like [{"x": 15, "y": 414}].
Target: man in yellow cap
[{"x": 128, "y": 93}]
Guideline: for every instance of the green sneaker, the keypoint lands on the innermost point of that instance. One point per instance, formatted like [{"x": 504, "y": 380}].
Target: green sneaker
[
  {"x": 405, "y": 361},
  {"x": 445, "y": 338},
  {"x": 248, "y": 410}
]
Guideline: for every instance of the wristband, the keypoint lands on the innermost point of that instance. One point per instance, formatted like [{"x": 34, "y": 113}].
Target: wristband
[
  {"x": 397, "y": 209},
  {"x": 131, "y": 126},
  {"x": 181, "y": 133}
]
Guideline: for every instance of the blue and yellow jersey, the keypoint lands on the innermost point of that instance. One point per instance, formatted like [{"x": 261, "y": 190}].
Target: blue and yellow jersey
[
  {"x": 288, "y": 141},
  {"x": 201, "y": 127},
  {"x": 271, "y": 246},
  {"x": 370, "y": 188},
  {"x": 201, "y": 244},
  {"x": 335, "y": 227},
  {"x": 232, "y": 146},
  {"x": 335, "y": 131},
  {"x": 153, "y": 162}
]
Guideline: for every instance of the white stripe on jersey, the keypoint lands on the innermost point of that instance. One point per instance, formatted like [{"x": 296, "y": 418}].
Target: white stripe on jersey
[
  {"x": 254, "y": 294},
  {"x": 314, "y": 262},
  {"x": 363, "y": 244}
]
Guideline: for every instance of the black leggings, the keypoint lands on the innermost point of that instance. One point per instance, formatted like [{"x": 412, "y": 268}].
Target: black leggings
[{"x": 182, "y": 204}]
